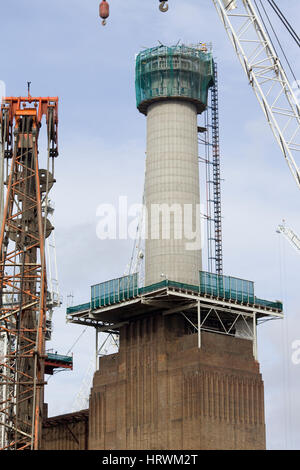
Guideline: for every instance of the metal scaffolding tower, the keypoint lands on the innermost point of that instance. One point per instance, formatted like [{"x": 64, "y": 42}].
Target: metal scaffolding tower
[
  {"x": 211, "y": 141},
  {"x": 23, "y": 279},
  {"x": 3, "y": 339},
  {"x": 216, "y": 174}
]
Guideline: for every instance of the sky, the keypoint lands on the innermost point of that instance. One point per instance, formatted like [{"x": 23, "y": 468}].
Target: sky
[{"x": 61, "y": 47}]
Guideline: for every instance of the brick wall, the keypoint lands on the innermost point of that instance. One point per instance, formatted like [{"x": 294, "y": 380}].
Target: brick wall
[{"x": 161, "y": 392}]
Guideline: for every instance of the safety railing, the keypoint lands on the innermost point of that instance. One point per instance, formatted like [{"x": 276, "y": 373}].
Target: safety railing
[
  {"x": 126, "y": 288},
  {"x": 59, "y": 358},
  {"x": 114, "y": 291},
  {"x": 226, "y": 287}
]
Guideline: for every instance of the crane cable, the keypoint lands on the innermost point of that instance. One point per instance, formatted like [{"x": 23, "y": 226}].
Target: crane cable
[
  {"x": 285, "y": 22},
  {"x": 81, "y": 334},
  {"x": 69, "y": 351},
  {"x": 284, "y": 341},
  {"x": 277, "y": 38}
]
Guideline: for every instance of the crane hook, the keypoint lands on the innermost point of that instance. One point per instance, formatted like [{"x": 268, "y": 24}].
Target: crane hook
[
  {"x": 104, "y": 11},
  {"x": 163, "y": 6}
]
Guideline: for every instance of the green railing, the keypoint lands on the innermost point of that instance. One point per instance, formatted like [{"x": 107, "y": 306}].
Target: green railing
[
  {"x": 153, "y": 287},
  {"x": 226, "y": 287},
  {"x": 79, "y": 308},
  {"x": 217, "y": 286},
  {"x": 268, "y": 303},
  {"x": 60, "y": 358},
  {"x": 114, "y": 291},
  {"x": 167, "y": 283}
]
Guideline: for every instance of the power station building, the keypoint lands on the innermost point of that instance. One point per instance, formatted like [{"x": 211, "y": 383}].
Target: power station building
[{"x": 186, "y": 375}]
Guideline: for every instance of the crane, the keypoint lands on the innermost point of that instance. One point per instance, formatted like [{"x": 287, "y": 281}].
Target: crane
[
  {"x": 291, "y": 236},
  {"x": 265, "y": 73},
  {"x": 248, "y": 34},
  {"x": 23, "y": 275}
]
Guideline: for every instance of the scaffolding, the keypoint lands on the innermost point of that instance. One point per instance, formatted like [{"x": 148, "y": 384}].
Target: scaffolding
[
  {"x": 180, "y": 72},
  {"x": 23, "y": 278},
  {"x": 209, "y": 139},
  {"x": 219, "y": 304},
  {"x": 215, "y": 286}
]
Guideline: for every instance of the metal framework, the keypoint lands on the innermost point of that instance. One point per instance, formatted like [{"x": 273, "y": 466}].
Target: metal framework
[
  {"x": 1, "y": 173},
  {"x": 265, "y": 74},
  {"x": 136, "y": 263},
  {"x": 211, "y": 159},
  {"x": 216, "y": 173},
  {"x": 54, "y": 299},
  {"x": 3, "y": 339},
  {"x": 3, "y": 352},
  {"x": 202, "y": 313},
  {"x": 290, "y": 235},
  {"x": 24, "y": 230}
]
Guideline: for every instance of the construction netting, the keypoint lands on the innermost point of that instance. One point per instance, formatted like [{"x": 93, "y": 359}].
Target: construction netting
[
  {"x": 227, "y": 287},
  {"x": 79, "y": 308},
  {"x": 114, "y": 291},
  {"x": 269, "y": 303},
  {"x": 60, "y": 358},
  {"x": 178, "y": 71},
  {"x": 214, "y": 285}
]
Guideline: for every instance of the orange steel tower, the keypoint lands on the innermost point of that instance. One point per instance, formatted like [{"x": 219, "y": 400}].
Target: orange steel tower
[{"x": 23, "y": 283}]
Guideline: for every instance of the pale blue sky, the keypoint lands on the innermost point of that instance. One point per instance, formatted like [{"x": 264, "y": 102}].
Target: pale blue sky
[{"x": 62, "y": 48}]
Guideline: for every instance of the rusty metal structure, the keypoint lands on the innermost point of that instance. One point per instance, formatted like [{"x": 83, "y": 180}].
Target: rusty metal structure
[{"x": 23, "y": 280}]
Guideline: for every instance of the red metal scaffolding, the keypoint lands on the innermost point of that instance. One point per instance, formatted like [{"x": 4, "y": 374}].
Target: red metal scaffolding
[{"x": 23, "y": 283}]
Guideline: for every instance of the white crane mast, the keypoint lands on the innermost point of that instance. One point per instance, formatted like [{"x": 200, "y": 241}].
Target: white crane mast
[
  {"x": 265, "y": 74},
  {"x": 54, "y": 299},
  {"x": 291, "y": 236}
]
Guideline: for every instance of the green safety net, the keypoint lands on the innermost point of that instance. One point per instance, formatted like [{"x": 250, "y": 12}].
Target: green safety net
[
  {"x": 227, "y": 287},
  {"x": 79, "y": 308},
  {"x": 177, "y": 71},
  {"x": 214, "y": 285},
  {"x": 114, "y": 291},
  {"x": 60, "y": 358},
  {"x": 268, "y": 303}
]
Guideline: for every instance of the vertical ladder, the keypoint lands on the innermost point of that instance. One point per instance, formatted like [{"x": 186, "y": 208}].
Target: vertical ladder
[
  {"x": 211, "y": 159},
  {"x": 216, "y": 174}
]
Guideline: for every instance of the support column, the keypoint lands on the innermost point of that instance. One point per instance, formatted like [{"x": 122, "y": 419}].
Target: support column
[
  {"x": 199, "y": 324},
  {"x": 254, "y": 337}
]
